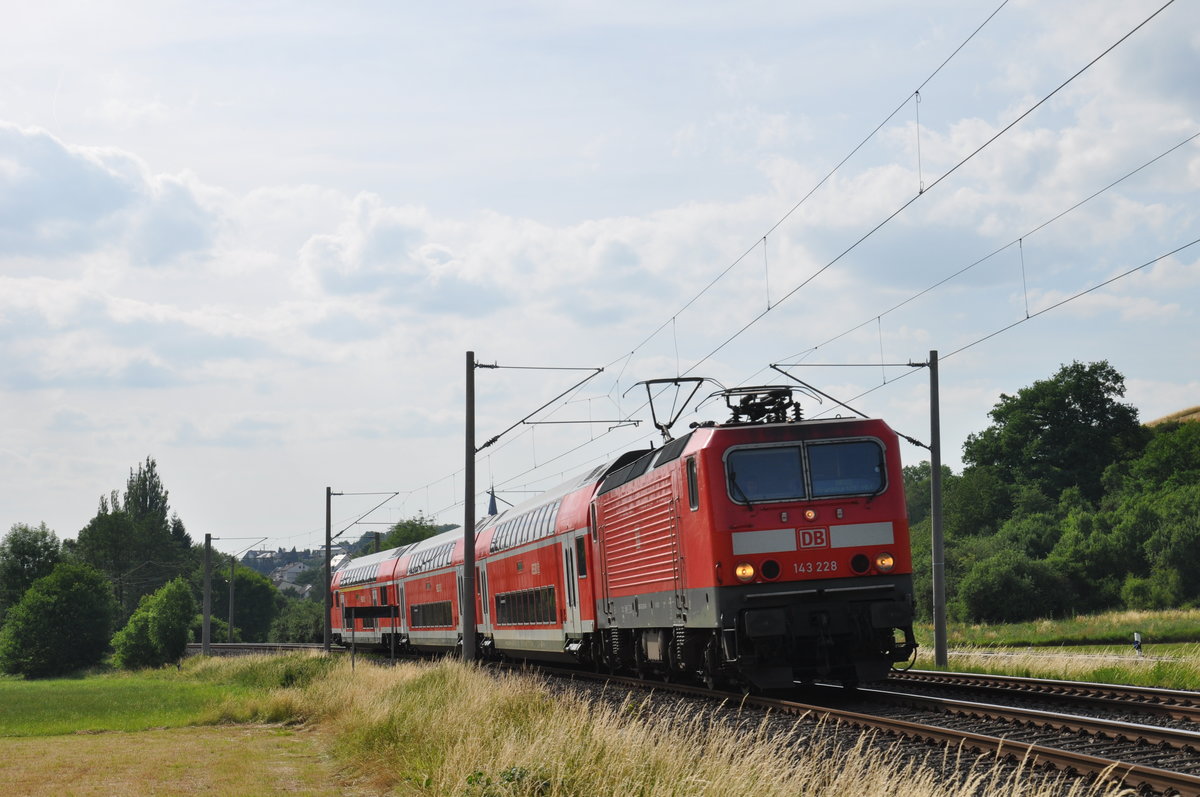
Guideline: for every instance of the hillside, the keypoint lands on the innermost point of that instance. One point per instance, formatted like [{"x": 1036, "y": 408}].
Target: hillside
[{"x": 1192, "y": 414}]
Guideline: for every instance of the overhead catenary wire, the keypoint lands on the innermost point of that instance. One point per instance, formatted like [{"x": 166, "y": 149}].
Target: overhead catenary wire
[
  {"x": 672, "y": 319},
  {"x": 1027, "y": 234},
  {"x": 961, "y": 349},
  {"x": 800, "y": 203},
  {"x": 1075, "y": 296},
  {"x": 627, "y": 357},
  {"x": 904, "y": 206},
  {"x": 577, "y": 385},
  {"x": 348, "y": 526},
  {"x": 1039, "y": 313}
]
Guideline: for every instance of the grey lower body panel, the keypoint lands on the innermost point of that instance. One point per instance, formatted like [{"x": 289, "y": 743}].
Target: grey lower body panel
[{"x": 773, "y": 634}]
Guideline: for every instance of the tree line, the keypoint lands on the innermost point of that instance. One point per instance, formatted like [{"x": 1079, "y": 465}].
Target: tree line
[
  {"x": 130, "y": 584},
  {"x": 1066, "y": 504}
]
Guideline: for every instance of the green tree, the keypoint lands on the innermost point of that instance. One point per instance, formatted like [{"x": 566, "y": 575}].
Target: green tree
[
  {"x": 27, "y": 553},
  {"x": 1060, "y": 432},
  {"x": 1160, "y": 591},
  {"x": 921, "y": 542},
  {"x": 136, "y": 542},
  {"x": 158, "y": 631},
  {"x": 976, "y": 502},
  {"x": 1174, "y": 545},
  {"x": 1034, "y": 535},
  {"x": 1096, "y": 552},
  {"x": 412, "y": 530},
  {"x": 1171, "y": 458},
  {"x": 1002, "y": 588},
  {"x": 218, "y": 630},
  {"x": 298, "y": 621},
  {"x": 255, "y": 601},
  {"x": 61, "y": 624},
  {"x": 918, "y": 486}
]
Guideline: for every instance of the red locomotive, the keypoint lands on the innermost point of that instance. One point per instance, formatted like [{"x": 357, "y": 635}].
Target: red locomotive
[{"x": 762, "y": 551}]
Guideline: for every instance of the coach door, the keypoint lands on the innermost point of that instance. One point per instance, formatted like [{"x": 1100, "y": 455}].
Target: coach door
[{"x": 574, "y": 568}]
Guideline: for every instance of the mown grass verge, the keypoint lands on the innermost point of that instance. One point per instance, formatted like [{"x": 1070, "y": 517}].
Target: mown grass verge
[
  {"x": 101, "y": 703},
  {"x": 1085, "y": 648},
  {"x": 133, "y": 701},
  {"x": 1110, "y": 628},
  {"x": 1166, "y": 673}
]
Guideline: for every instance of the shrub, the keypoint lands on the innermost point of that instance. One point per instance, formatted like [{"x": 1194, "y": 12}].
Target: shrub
[
  {"x": 1009, "y": 587},
  {"x": 62, "y": 624},
  {"x": 1160, "y": 591},
  {"x": 218, "y": 630},
  {"x": 157, "y": 632},
  {"x": 299, "y": 621}
]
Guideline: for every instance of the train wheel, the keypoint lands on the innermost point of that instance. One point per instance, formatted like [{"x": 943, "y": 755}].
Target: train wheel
[
  {"x": 639, "y": 658},
  {"x": 710, "y": 672}
]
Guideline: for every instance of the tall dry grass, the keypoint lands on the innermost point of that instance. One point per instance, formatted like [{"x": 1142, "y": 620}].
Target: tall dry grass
[{"x": 453, "y": 729}]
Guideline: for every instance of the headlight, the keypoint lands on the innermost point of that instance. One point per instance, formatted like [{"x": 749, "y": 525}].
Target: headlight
[
  {"x": 884, "y": 562},
  {"x": 744, "y": 571},
  {"x": 810, "y": 515}
]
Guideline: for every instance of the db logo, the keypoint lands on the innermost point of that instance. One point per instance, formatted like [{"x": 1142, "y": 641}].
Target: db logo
[{"x": 814, "y": 538}]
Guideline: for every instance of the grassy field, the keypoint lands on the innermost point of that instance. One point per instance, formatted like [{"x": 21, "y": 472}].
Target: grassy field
[
  {"x": 1111, "y": 628},
  {"x": 108, "y": 703},
  {"x": 1086, "y": 648},
  {"x": 157, "y": 732},
  {"x": 309, "y": 725}
]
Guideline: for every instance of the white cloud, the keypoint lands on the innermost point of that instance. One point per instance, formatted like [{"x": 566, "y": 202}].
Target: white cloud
[
  {"x": 61, "y": 200},
  {"x": 282, "y": 253}
]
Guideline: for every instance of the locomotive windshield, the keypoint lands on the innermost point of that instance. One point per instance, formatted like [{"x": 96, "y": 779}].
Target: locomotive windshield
[
  {"x": 846, "y": 468},
  {"x": 765, "y": 474},
  {"x": 778, "y": 473}
]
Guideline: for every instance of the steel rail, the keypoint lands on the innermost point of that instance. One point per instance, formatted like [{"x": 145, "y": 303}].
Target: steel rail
[
  {"x": 226, "y": 648},
  {"x": 1131, "y": 775},
  {"x": 1175, "y": 703},
  {"x": 1131, "y": 732}
]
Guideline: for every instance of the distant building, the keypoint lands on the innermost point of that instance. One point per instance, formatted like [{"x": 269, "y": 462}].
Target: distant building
[
  {"x": 299, "y": 590},
  {"x": 287, "y": 573}
]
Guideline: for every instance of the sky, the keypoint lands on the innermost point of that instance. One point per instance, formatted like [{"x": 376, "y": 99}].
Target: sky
[{"x": 254, "y": 241}]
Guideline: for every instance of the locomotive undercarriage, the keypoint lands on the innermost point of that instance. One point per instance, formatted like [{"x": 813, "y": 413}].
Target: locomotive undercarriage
[
  {"x": 771, "y": 636},
  {"x": 850, "y": 632}
]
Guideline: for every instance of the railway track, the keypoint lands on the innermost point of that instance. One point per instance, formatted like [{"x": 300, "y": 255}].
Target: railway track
[
  {"x": 1146, "y": 757},
  {"x": 1145, "y": 751},
  {"x": 1173, "y": 703},
  {"x": 251, "y": 648}
]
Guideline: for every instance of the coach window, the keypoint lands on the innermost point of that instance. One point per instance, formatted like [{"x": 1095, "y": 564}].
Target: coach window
[
  {"x": 693, "y": 484},
  {"x": 580, "y": 558}
]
